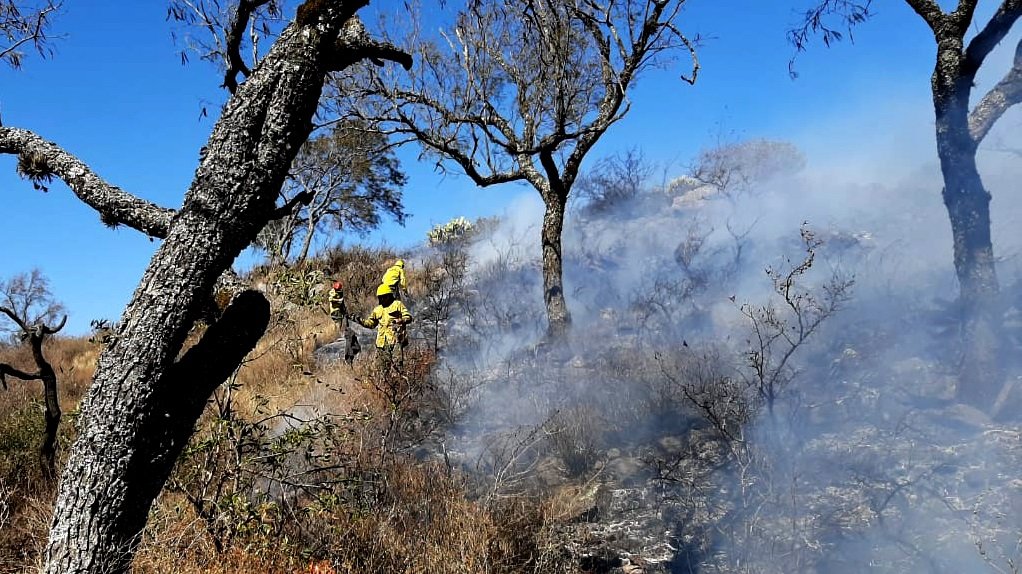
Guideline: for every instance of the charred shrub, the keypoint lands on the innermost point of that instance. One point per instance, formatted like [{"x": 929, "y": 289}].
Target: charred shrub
[{"x": 576, "y": 437}]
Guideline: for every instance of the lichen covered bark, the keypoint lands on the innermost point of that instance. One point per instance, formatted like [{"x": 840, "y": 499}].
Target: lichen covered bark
[{"x": 143, "y": 404}]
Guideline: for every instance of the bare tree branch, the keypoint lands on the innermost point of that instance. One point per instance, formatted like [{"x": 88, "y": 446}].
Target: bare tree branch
[
  {"x": 41, "y": 160},
  {"x": 817, "y": 20},
  {"x": 8, "y": 370},
  {"x": 1007, "y": 93},
  {"x": 991, "y": 35},
  {"x": 14, "y": 317}
]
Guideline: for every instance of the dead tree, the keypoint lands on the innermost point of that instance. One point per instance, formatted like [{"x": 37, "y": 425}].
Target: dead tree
[
  {"x": 959, "y": 132},
  {"x": 522, "y": 91},
  {"x": 146, "y": 396},
  {"x": 34, "y": 335}
]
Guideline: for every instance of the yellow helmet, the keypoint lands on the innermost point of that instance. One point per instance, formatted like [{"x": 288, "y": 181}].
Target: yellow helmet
[
  {"x": 400, "y": 263},
  {"x": 383, "y": 290}
]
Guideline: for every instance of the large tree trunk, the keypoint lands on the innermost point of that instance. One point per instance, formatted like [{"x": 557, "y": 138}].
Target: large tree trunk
[
  {"x": 558, "y": 318},
  {"x": 143, "y": 404},
  {"x": 968, "y": 206}
]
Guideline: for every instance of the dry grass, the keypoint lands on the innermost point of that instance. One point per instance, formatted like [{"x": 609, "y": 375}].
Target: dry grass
[
  {"x": 392, "y": 514},
  {"x": 28, "y": 494}
]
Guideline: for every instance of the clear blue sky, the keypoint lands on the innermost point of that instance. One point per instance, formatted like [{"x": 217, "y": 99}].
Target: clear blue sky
[{"x": 117, "y": 95}]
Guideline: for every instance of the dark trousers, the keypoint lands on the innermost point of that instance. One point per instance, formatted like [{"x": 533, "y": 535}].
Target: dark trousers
[{"x": 351, "y": 344}]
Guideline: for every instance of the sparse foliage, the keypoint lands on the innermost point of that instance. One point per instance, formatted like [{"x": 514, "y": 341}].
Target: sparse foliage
[
  {"x": 228, "y": 34},
  {"x": 445, "y": 274},
  {"x": 345, "y": 180},
  {"x": 575, "y": 435},
  {"x": 832, "y": 20},
  {"x": 25, "y": 27},
  {"x": 28, "y": 296},
  {"x": 261, "y": 475}
]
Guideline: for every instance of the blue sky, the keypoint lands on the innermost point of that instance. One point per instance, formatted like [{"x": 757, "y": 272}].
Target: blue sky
[{"x": 117, "y": 95}]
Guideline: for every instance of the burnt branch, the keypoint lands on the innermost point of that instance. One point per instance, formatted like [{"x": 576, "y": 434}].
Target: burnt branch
[
  {"x": 222, "y": 348},
  {"x": 192, "y": 378},
  {"x": 991, "y": 35},
  {"x": 40, "y": 160},
  {"x": 8, "y": 370},
  {"x": 34, "y": 335},
  {"x": 47, "y": 330}
]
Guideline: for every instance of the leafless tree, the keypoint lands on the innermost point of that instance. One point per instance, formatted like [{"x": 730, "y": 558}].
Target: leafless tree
[
  {"x": 27, "y": 302},
  {"x": 521, "y": 92},
  {"x": 778, "y": 331},
  {"x": 614, "y": 181},
  {"x": 25, "y": 27},
  {"x": 28, "y": 296},
  {"x": 345, "y": 180},
  {"x": 959, "y": 132},
  {"x": 147, "y": 394}
]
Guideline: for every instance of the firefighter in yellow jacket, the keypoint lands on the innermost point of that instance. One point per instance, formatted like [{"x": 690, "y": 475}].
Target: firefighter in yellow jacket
[
  {"x": 394, "y": 278},
  {"x": 389, "y": 318}
]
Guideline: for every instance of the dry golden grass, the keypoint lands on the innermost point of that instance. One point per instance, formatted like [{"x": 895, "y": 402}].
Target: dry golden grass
[{"x": 417, "y": 517}]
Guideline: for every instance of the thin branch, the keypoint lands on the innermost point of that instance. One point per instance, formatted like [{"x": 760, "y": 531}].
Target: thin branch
[
  {"x": 33, "y": 31},
  {"x": 47, "y": 330},
  {"x": 14, "y": 317}
]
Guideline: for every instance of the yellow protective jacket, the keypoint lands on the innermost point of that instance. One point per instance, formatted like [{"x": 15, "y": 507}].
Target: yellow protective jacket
[
  {"x": 391, "y": 321},
  {"x": 394, "y": 277},
  {"x": 336, "y": 300}
]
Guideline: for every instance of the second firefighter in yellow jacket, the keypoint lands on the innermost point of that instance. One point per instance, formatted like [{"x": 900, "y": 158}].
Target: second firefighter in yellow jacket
[
  {"x": 389, "y": 318},
  {"x": 395, "y": 279}
]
